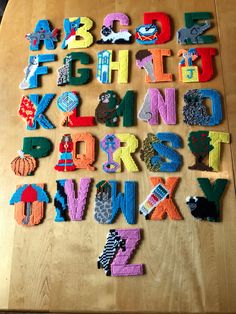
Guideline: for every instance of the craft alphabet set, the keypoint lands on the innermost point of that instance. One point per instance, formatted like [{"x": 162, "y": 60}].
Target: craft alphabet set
[{"x": 158, "y": 153}]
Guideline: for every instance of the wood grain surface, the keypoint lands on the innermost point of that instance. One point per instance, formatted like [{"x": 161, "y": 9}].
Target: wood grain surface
[{"x": 190, "y": 266}]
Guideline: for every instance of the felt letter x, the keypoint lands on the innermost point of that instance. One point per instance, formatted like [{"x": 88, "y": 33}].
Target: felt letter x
[{"x": 167, "y": 206}]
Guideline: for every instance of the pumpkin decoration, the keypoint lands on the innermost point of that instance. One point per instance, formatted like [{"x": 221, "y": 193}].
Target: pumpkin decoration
[{"x": 24, "y": 164}]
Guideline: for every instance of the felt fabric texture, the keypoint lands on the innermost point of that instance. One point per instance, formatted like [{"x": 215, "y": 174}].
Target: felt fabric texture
[
  {"x": 84, "y": 161},
  {"x": 207, "y": 208},
  {"x": 76, "y": 205},
  {"x": 158, "y": 194},
  {"x": 103, "y": 202},
  {"x": 124, "y": 153},
  {"x": 200, "y": 145},
  {"x": 110, "y": 108},
  {"x": 65, "y": 72},
  {"x": 109, "y": 144},
  {"x": 214, "y": 155},
  {"x": 190, "y": 74},
  {"x": 60, "y": 202},
  {"x": 108, "y": 36},
  {"x": 146, "y": 34},
  {"x": 196, "y": 113},
  {"x": 33, "y": 70},
  {"x": 27, "y": 110},
  {"x": 125, "y": 109},
  {"x": 68, "y": 103},
  {"x": 32, "y": 110},
  {"x": 108, "y": 202},
  {"x": 187, "y": 71},
  {"x": 37, "y": 147},
  {"x": 167, "y": 206},
  {"x": 124, "y": 202},
  {"x": 113, "y": 243},
  {"x": 206, "y": 71},
  {"x": 164, "y": 20},
  {"x": 152, "y": 61},
  {"x": 120, "y": 265},
  {"x": 23, "y": 164},
  {"x": 105, "y": 65},
  {"x": 43, "y": 33},
  {"x": 154, "y": 104},
  {"x": 213, "y": 191},
  {"x": 73, "y": 29},
  {"x": 67, "y": 205},
  {"x": 106, "y": 110},
  {"x": 29, "y": 202},
  {"x": 155, "y": 151},
  {"x": 66, "y": 163},
  {"x": 191, "y": 19},
  {"x": 191, "y": 33}
]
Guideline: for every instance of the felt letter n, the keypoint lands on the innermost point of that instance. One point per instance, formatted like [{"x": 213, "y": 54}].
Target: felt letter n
[{"x": 154, "y": 104}]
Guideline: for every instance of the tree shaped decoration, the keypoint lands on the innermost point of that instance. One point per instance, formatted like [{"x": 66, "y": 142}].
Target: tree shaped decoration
[
  {"x": 194, "y": 111},
  {"x": 199, "y": 144}
]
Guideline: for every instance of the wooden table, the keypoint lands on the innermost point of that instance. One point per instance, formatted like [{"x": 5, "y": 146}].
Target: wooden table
[{"x": 190, "y": 265}]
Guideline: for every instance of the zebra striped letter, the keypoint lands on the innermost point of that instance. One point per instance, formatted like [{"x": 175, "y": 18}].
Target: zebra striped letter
[
  {"x": 120, "y": 245},
  {"x": 120, "y": 266}
]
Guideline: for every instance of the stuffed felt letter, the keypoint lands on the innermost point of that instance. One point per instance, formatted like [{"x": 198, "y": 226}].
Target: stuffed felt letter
[
  {"x": 195, "y": 112},
  {"x": 149, "y": 33},
  {"x": 43, "y": 33},
  {"x": 192, "y": 32},
  {"x": 34, "y": 69},
  {"x": 155, "y": 151},
  {"x": 120, "y": 246},
  {"x": 68, "y": 103},
  {"x": 124, "y": 153},
  {"x": 110, "y": 108},
  {"x": 77, "y": 27},
  {"x": 32, "y": 109},
  {"x": 84, "y": 161},
  {"x": 208, "y": 207},
  {"x": 120, "y": 265},
  {"x": 66, "y": 72},
  {"x": 37, "y": 146},
  {"x": 66, "y": 202},
  {"x": 190, "y": 73},
  {"x": 29, "y": 200},
  {"x": 151, "y": 61},
  {"x": 154, "y": 104},
  {"x": 105, "y": 66},
  {"x": 108, "y": 202},
  {"x": 109, "y": 36}
]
